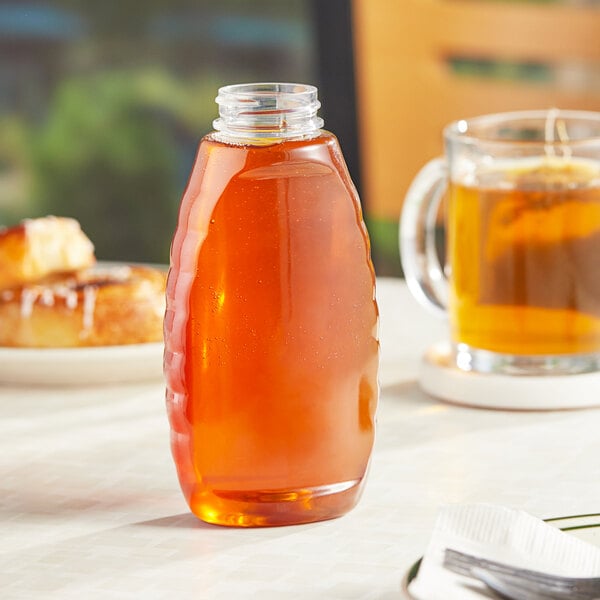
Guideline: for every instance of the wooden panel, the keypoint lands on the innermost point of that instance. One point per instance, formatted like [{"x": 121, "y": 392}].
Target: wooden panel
[{"x": 407, "y": 92}]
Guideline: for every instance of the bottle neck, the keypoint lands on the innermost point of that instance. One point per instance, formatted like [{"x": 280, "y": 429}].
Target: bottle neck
[{"x": 267, "y": 112}]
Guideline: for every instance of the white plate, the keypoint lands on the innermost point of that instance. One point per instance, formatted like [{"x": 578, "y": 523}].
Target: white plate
[
  {"x": 584, "y": 527},
  {"x": 81, "y": 366}
]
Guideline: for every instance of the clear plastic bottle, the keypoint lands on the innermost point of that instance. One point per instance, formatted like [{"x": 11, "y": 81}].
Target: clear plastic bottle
[{"x": 271, "y": 324}]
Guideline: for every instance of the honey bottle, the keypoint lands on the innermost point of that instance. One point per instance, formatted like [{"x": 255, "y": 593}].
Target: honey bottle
[{"x": 271, "y": 347}]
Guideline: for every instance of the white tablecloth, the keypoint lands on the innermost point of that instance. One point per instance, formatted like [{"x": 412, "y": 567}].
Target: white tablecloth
[{"x": 90, "y": 506}]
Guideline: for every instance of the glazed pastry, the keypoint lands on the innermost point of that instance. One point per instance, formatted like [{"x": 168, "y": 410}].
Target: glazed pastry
[
  {"x": 96, "y": 307},
  {"x": 36, "y": 248}
]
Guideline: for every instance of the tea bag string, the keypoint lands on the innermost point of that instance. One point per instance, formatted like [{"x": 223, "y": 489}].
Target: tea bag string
[{"x": 553, "y": 123}]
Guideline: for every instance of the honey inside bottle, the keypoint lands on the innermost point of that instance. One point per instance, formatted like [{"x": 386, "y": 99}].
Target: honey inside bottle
[{"x": 271, "y": 334}]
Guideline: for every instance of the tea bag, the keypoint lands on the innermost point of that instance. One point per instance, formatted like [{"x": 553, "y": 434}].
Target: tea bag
[{"x": 541, "y": 231}]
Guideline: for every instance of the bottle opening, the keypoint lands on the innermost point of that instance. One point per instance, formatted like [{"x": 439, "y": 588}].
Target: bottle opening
[{"x": 268, "y": 110}]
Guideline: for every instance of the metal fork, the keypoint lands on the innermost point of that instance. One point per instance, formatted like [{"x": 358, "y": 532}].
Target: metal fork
[{"x": 522, "y": 584}]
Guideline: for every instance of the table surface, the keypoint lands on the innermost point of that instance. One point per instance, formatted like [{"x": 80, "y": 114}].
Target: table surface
[{"x": 90, "y": 506}]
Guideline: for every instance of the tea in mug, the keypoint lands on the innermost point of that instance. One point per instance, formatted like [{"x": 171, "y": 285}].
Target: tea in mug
[{"x": 524, "y": 249}]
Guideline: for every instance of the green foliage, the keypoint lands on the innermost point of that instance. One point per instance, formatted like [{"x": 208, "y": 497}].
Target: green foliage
[
  {"x": 106, "y": 156},
  {"x": 14, "y": 168},
  {"x": 384, "y": 246}
]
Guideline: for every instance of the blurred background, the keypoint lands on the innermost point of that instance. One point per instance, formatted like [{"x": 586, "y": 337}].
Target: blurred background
[{"x": 102, "y": 104}]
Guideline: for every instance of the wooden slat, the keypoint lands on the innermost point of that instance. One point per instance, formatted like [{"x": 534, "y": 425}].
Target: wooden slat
[
  {"x": 407, "y": 93},
  {"x": 513, "y": 30}
]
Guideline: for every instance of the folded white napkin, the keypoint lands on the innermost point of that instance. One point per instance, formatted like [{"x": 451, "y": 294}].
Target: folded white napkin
[{"x": 497, "y": 533}]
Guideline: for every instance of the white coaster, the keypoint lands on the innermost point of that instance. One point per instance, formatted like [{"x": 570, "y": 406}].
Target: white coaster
[{"x": 440, "y": 378}]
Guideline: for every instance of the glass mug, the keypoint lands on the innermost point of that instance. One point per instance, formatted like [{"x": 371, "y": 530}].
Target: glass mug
[{"x": 521, "y": 280}]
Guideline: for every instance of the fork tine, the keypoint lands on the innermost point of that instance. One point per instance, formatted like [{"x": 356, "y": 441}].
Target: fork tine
[
  {"x": 520, "y": 589},
  {"x": 462, "y": 563}
]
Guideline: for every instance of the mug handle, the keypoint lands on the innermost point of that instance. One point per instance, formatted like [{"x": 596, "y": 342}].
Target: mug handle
[{"x": 423, "y": 271}]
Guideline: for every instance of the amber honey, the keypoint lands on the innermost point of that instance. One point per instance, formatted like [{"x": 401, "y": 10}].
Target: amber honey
[
  {"x": 271, "y": 342},
  {"x": 524, "y": 249}
]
